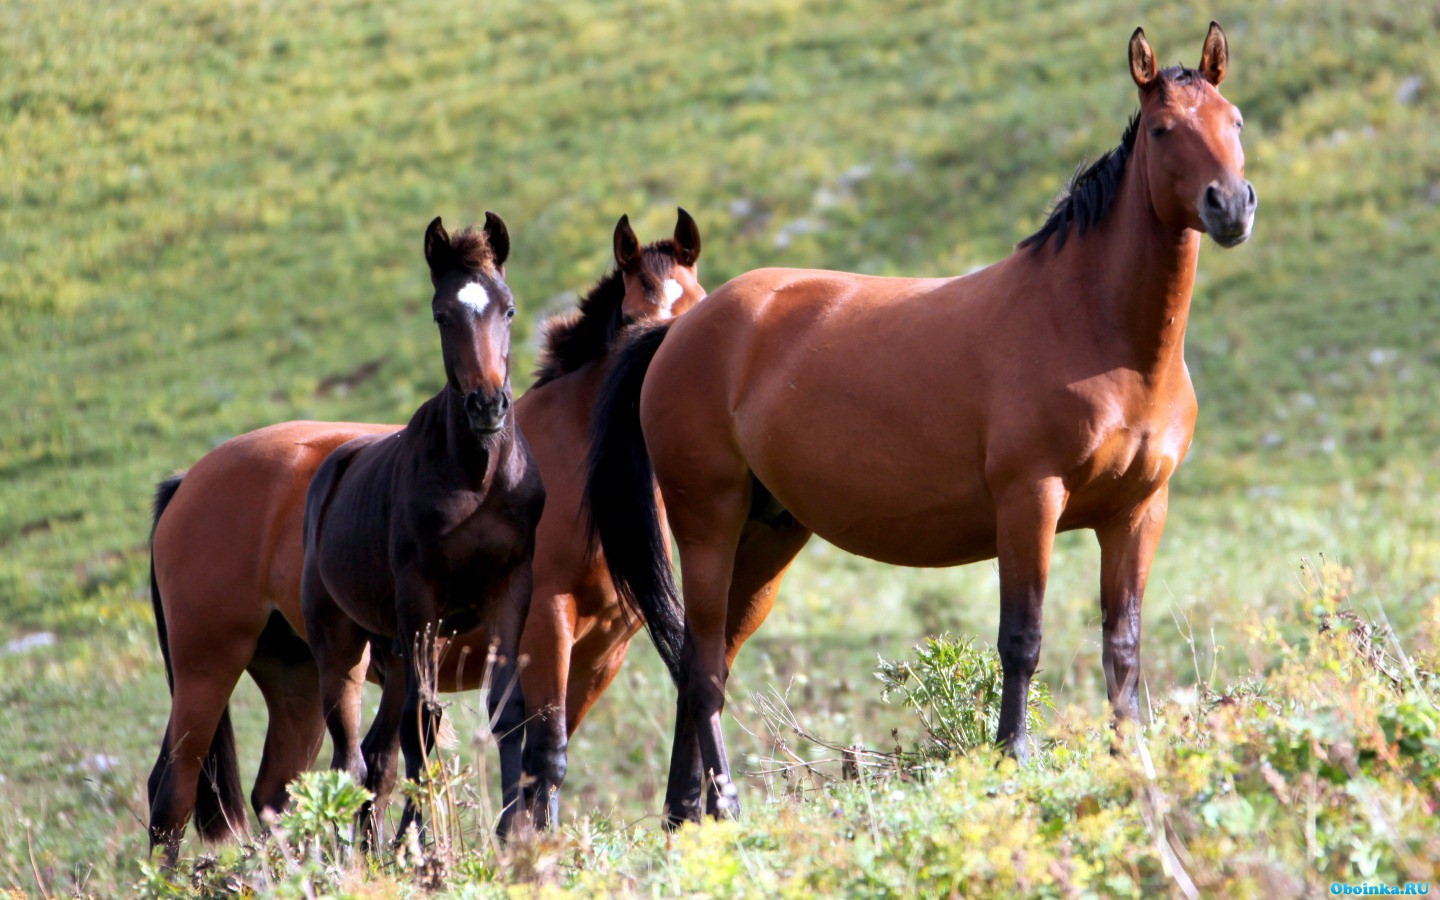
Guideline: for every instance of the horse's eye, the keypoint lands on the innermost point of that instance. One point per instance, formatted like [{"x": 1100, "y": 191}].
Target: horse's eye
[
  {"x": 441, "y": 319},
  {"x": 1159, "y": 131},
  {"x": 1239, "y": 125},
  {"x": 510, "y": 313}
]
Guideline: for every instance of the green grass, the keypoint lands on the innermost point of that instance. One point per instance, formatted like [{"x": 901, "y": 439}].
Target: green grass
[{"x": 206, "y": 211}]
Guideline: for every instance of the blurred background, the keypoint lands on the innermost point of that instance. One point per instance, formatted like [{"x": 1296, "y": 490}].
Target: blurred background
[{"x": 211, "y": 217}]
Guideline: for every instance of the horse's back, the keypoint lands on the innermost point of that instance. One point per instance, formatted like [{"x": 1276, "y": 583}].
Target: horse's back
[{"x": 229, "y": 546}]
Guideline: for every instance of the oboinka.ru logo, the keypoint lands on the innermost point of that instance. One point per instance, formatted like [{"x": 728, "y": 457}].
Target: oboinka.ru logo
[{"x": 1410, "y": 888}]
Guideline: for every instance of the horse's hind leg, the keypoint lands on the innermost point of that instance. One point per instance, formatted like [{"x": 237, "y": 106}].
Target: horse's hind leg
[
  {"x": 342, "y": 656},
  {"x": 707, "y": 532},
  {"x": 1127, "y": 546},
  {"x": 284, "y": 669},
  {"x": 765, "y": 552},
  {"x": 203, "y": 685}
]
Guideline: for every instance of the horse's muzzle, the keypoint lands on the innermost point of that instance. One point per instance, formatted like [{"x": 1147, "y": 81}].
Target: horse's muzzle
[
  {"x": 1228, "y": 211},
  {"x": 487, "y": 412}
]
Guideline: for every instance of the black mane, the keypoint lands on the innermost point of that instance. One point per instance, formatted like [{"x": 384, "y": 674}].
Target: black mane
[
  {"x": 570, "y": 340},
  {"x": 1086, "y": 200}
]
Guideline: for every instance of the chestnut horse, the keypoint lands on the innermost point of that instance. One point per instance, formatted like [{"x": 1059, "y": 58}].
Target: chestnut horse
[
  {"x": 429, "y": 531},
  {"x": 229, "y": 544},
  {"x": 927, "y": 422}
]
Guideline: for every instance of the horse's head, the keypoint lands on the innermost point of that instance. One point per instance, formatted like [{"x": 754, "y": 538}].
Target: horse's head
[
  {"x": 473, "y": 308},
  {"x": 661, "y": 281},
  {"x": 1189, "y": 139}
]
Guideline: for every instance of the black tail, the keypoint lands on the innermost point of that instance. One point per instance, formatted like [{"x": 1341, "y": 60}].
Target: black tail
[
  {"x": 219, "y": 800},
  {"x": 620, "y": 499}
]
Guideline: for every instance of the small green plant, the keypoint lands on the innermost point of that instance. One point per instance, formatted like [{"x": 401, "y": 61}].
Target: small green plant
[
  {"x": 954, "y": 687},
  {"x": 323, "y": 807}
]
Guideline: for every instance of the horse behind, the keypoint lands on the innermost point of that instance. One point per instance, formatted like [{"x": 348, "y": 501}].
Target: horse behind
[{"x": 927, "y": 422}]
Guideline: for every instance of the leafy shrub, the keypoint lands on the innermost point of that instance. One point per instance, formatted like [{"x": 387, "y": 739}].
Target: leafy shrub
[
  {"x": 954, "y": 687},
  {"x": 322, "y": 811}
]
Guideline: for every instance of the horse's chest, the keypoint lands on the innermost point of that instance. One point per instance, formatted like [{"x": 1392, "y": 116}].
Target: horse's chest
[
  {"x": 1129, "y": 456},
  {"x": 483, "y": 543}
]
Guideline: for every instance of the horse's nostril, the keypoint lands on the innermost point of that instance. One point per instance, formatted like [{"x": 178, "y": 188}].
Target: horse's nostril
[
  {"x": 1249, "y": 194},
  {"x": 1212, "y": 197}
]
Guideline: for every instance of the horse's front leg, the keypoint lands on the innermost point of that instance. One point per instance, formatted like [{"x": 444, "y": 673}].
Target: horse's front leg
[
  {"x": 382, "y": 742},
  {"x": 506, "y": 699},
  {"x": 547, "y": 640},
  {"x": 1027, "y": 515},
  {"x": 1127, "y": 547},
  {"x": 417, "y": 618}
]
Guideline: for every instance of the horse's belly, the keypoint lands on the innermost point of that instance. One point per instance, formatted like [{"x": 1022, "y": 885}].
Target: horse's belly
[{"x": 940, "y": 517}]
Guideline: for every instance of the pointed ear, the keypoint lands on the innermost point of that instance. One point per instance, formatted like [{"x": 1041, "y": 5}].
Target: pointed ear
[
  {"x": 687, "y": 237},
  {"x": 627, "y": 245},
  {"x": 1142, "y": 60},
  {"x": 437, "y": 248},
  {"x": 1215, "y": 58},
  {"x": 498, "y": 237}
]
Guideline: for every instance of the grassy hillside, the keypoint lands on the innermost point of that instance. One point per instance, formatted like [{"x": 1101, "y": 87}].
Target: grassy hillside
[{"x": 210, "y": 220}]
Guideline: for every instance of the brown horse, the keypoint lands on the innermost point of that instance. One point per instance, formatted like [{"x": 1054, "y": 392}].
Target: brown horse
[
  {"x": 578, "y": 633},
  {"x": 429, "y": 531},
  {"x": 928, "y": 422},
  {"x": 228, "y": 547}
]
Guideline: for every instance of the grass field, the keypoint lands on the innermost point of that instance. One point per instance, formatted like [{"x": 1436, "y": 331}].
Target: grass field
[{"x": 210, "y": 220}]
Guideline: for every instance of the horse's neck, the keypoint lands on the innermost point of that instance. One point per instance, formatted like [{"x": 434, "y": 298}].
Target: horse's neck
[
  {"x": 1142, "y": 274},
  {"x": 447, "y": 430}
]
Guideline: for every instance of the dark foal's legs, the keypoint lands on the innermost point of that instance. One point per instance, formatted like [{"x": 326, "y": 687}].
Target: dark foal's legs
[
  {"x": 1025, "y": 533},
  {"x": 506, "y": 698},
  {"x": 381, "y": 746},
  {"x": 1127, "y": 547},
  {"x": 342, "y": 656},
  {"x": 419, "y": 710}
]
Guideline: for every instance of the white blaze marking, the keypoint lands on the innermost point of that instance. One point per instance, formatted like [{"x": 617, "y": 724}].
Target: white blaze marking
[
  {"x": 474, "y": 296},
  {"x": 673, "y": 291}
]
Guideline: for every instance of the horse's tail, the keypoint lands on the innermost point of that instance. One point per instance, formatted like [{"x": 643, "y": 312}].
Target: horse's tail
[
  {"x": 219, "y": 800},
  {"x": 620, "y": 499}
]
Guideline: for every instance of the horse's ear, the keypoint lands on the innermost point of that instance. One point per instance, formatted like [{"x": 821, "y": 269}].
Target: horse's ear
[
  {"x": 627, "y": 245},
  {"x": 687, "y": 237},
  {"x": 1215, "y": 58},
  {"x": 437, "y": 248},
  {"x": 498, "y": 237},
  {"x": 1142, "y": 60}
]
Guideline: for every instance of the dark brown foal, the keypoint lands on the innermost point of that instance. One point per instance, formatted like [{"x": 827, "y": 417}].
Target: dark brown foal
[{"x": 429, "y": 531}]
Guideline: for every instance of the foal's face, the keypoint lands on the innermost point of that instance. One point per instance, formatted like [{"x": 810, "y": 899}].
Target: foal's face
[
  {"x": 652, "y": 294},
  {"x": 473, "y": 309},
  {"x": 1190, "y": 138},
  {"x": 474, "y": 312}
]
